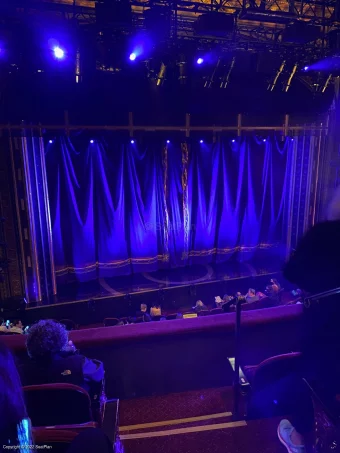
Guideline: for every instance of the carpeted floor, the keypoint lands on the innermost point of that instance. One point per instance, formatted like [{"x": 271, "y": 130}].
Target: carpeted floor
[{"x": 193, "y": 422}]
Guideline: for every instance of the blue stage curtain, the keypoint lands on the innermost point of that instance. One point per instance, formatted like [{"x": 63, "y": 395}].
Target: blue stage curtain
[{"x": 118, "y": 208}]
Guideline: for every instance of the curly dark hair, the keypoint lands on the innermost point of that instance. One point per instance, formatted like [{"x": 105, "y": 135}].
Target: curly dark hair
[{"x": 45, "y": 338}]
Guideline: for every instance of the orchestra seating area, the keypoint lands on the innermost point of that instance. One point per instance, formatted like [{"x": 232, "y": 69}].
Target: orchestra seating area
[{"x": 180, "y": 355}]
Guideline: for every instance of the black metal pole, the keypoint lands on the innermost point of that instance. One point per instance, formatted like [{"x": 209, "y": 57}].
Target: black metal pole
[{"x": 237, "y": 360}]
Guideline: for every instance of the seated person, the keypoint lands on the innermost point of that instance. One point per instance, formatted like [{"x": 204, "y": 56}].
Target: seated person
[
  {"x": 251, "y": 296},
  {"x": 15, "y": 427},
  {"x": 143, "y": 313},
  {"x": 156, "y": 310},
  {"x": 273, "y": 288},
  {"x": 227, "y": 298},
  {"x": 54, "y": 359},
  {"x": 260, "y": 295},
  {"x": 17, "y": 327},
  {"x": 199, "y": 306},
  {"x": 3, "y": 327},
  {"x": 218, "y": 302},
  {"x": 233, "y": 301}
]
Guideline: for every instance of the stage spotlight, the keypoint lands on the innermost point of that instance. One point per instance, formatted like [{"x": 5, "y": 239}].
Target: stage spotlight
[
  {"x": 233, "y": 140},
  {"x": 58, "y": 52},
  {"x": 264, "y": 139},
  {"x": 199, "y": 60},
  {"x": 132, "y": 142},
  {"x": 201, "y": 141},
  {"x": 306, "y": 68},
  {"x": 91, "y": 141},
  {"x": 168, "y": 141},
  {"x": 132, "y": 56},
  {"x": 50, "y": 141}
]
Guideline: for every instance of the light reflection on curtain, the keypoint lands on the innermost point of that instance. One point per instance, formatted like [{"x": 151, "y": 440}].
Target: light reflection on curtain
[{"x": 109, "y": 208}]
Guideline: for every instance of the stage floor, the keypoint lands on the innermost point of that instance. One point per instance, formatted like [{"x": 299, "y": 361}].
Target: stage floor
[{"x": 164, "y": 279}]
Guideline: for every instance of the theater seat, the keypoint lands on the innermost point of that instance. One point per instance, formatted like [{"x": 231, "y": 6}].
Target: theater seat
[
  {"x": 216, "y": 311},
  {"x": 171, "y": 316},
  {"x": 259, "y": 376},
  {"x": 69, "y": 324},
  {"x": 58, "y": 439},
  {"x": 109, "y": 322},
  {"x": 58, "y": 404},
  {"x": 204, "y": 313}
]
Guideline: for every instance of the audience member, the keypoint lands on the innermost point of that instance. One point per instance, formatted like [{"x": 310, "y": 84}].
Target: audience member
[
  {"x": 273, "y": 289},
  {"x": 54, "y": 359},
  {"x": 143, "y": 313},
  {"x": 3, "y": 327},
  {"x": 17, "y": 327},
  {"x": 218, "y": 302},
  {"x": 199, "y": 306},
  {"x": 260, "y": 295},
  {"x": 251, "y": 296},
  {"x": 227, "y": 298},
  {"x": 15, "y": 429},
  {"x": 156, "y": 310}
]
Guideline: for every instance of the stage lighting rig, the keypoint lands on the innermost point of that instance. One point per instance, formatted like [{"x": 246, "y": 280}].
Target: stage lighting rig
[
  {"x": 182, "y": 66},
  {"x": 225, "y": 79},
  {"x": 161, "y": 75},
  {"x": 272, "y": 85},
  {"x": 290, "y": 78}
]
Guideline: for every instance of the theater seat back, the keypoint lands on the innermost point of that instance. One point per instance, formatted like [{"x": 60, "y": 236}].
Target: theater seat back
[{"x": 57, "y": 404}]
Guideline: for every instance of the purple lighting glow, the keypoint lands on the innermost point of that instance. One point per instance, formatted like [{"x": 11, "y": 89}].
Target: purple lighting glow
[
  {"x": 306, "y": 68},
  {"x": 168, "y": 141},
  {"x": 264, "y": 139},
  {"x": 199, "y": 60},
  {"x": 91, "y": 141},
  {"x": 132, "y": 56},
  {"x": 58, "y": 52},
  {"x": 50, "y": 141},
  {"x": 233, "y": 140},
  {"x": 201, "y": 141},
  {"x": 132, "y": 142}
]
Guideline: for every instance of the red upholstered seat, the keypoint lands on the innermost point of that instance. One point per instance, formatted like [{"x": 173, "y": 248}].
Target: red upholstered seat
[
  {"x": 110, "y": 322},
  {"x": 271, "y": 369},
  {"x": 204, "y": 313},
  {"x": 69, "y": 324},
  {"x": 171, "y": 316},
  {"x": 58, "y": 404},
  {"x": 216, "y": 311},
  {"x": 156, "y": 318}
]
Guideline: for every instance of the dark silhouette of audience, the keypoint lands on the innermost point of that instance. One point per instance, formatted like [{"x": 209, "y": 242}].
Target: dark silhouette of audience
[
  {"x": 17, "y": 327},
  {"x": 54, "y": 359},
  {"x": 14, "y": 424},
  {"x": 199, "y": 306},
  {"x": 143, "y": 313}
]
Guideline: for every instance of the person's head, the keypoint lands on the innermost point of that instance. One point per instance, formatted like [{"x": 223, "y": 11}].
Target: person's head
[
  {"x": 226, "y": 298},
  {"x": 143, "y": 308},
  {"x": 273, "y": 281},
  {"x": 46, "y": 338},
  {"x": 251, "y": 292},
  {"x": 18, "y": 323},
  {"x": 238, "y": 294},
  {"x": 2, "y": 321},
  {"x": 199, "y": 303},
  {"x": 12, "y": 406}
]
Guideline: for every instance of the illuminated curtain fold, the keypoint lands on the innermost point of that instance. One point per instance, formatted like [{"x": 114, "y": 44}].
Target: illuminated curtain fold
[{"x": 118, "y": 208}]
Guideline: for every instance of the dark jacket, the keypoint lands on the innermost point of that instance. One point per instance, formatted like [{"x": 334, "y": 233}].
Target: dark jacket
[
  {"x": 68, "y": 368},
  {"x": 315, "y": 264}
]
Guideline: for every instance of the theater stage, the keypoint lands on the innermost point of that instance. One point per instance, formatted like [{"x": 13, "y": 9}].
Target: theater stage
[{"x": 175, "y": 289}]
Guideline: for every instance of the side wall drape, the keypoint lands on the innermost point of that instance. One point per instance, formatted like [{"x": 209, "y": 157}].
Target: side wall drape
[{"x": 118, "y": 208}]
